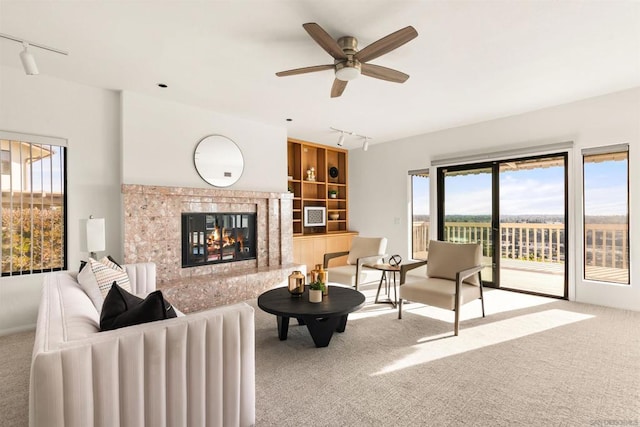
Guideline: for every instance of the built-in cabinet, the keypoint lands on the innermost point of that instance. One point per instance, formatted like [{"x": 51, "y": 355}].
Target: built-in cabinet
[
  {"x": 313, "y": 186},
  {"x": 318, "y": 179}
]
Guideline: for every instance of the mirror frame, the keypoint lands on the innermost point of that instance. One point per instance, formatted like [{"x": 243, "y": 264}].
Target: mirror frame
[{"x": 212, "y": 143}]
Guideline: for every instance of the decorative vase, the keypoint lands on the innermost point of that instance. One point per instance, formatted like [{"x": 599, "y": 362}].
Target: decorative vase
[
  {"x": 296, "y": 283},
  {"x": 319, "y": 274},
  {"x": 334, "y": 216},
  {"x": 315, "y": 295}
]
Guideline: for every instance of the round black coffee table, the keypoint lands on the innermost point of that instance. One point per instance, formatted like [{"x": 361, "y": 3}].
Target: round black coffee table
[{"x": 321, "y": 318}]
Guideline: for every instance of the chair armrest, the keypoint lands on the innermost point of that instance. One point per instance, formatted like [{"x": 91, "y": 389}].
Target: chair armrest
[
  {"x": 327, "y": 257},
  {"x": 463, "y": 274},
  {"x": 404, "y": 268}
]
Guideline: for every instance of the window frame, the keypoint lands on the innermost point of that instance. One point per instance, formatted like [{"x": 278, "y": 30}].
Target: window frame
[
  {"x": 27, "y": 172},
  {"x": 412, "y": 174},
  {"x": 606, "y": 150}
]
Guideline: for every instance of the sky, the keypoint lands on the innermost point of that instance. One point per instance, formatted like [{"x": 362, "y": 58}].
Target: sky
[
  {"x": 45, "y": 167},
  {"x": 537, "y": 191}
]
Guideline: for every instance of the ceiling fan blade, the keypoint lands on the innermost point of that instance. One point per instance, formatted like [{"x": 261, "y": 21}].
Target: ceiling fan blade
[
  {"x": 384, "y": 73},
  {"x": 304, "y": 70},
  {"x": 324, "y": 40},
  {"x": 338, "y": 88},
  {"x": 386, "y": 44}
]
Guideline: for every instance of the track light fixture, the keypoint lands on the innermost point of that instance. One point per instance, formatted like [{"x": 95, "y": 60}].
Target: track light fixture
[
  {"x": 28, "y": 61},
  {"x": 365, "y": 143}
]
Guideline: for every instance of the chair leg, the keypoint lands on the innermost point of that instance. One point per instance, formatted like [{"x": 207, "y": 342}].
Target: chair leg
[
  {"x": 400, "y": 309},
  {"x": 481, "y": 293},
  {"x": 456, "y": 324}
]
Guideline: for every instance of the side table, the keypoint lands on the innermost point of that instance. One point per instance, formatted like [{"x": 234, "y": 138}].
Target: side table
[{"x": 386, "y": 268}]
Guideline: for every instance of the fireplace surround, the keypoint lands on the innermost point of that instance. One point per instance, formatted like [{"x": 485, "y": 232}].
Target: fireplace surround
[{"x": 153, "y": 233}]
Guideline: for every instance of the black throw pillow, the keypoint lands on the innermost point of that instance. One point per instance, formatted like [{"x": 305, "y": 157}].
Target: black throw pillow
[{"x": 120, "y": 309}]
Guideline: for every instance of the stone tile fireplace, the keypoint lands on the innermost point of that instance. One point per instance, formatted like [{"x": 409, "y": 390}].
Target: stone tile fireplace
[{"x": 153, "y": 233}]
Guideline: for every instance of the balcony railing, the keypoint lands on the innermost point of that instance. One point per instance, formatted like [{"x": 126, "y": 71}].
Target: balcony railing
[{"x": 605, "y": 244}]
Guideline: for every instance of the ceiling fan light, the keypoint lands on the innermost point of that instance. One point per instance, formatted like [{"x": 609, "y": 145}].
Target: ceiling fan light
[
  {"x": 28, "y": 61},
  {"x": 347, "y": 73}
]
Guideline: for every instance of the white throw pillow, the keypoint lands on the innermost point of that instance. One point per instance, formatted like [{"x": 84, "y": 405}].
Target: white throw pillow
[{"x": 97, "y": 277}]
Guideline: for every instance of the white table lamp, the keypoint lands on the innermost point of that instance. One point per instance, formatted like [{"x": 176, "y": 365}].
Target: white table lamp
[{"x": 95, "y": 236}]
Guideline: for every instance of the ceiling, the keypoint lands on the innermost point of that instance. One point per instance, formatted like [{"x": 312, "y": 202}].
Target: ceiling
[{"x": 472, "y": 60}]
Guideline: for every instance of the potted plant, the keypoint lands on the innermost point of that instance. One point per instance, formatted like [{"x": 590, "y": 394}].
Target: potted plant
[
  {"x": 315, "y": 291},
  {"x": 333, "y": 194}
]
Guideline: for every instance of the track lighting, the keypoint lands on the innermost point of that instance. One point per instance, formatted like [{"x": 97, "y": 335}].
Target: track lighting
[
  {"x": 28, "y": 61},
  {"x": 365, "y": 143}
]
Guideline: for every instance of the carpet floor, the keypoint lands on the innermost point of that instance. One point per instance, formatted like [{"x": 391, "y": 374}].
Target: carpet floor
[{"x": 532, "y": 361}]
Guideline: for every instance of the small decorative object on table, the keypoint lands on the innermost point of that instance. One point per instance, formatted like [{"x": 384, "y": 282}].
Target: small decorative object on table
[
  {"x": 333, "y": 194},
  {"x": 296, "y": 283},
  {"x": 319, "y": 274},
  {"x": 334, "y": 216},
  {"x": 315, "y": 291}
]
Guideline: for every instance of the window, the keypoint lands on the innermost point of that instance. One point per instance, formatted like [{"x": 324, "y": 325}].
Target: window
[
  {"x": 5, "y": 162},
  {"x": 419, "y": 213},
  {"x": 33, "y": 205},
  {"x": 606, "y": 214}
]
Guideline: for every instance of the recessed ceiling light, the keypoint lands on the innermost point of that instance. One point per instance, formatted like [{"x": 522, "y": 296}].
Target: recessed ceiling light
[
  {"x": 289, "y": 120},
  {"x": 162, "y": 85}
]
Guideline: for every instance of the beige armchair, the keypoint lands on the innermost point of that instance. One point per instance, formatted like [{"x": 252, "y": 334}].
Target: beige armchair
[
  {"x": 453, "y": 278},
  {"x": 364, "y": 250}
]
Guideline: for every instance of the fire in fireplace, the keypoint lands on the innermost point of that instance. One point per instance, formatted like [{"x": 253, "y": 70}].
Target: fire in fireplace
[{"x": 211, "y": 238}]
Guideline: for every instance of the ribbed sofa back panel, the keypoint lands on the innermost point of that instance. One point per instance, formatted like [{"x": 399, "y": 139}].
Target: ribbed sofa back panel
[{"x": 196, "y": 370}]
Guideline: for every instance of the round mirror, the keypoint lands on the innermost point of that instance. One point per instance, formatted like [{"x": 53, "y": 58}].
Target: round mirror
[{"x": 218, "y": 160}]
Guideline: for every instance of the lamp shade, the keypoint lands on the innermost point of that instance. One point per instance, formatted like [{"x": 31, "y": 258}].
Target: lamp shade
[{"x": 95, "y": 235}]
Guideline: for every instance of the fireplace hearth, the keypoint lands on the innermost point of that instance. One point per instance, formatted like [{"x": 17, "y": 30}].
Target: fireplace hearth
[{"x": 213, "y": 238}]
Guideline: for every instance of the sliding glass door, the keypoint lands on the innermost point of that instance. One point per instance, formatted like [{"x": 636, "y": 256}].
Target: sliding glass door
[
  {"x": 517, "y": 210},
  {"x": 466, "y": 213}
]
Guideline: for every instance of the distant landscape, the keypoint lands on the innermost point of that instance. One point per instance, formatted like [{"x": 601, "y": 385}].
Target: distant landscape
[{"x": 529, "y": 219}]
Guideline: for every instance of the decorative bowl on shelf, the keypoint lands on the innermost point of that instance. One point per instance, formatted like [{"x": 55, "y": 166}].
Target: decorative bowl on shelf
[{"x": 334, "y": 216}]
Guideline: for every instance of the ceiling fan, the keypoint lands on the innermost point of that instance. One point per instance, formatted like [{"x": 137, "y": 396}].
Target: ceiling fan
[{"x": 349, "y": 62}]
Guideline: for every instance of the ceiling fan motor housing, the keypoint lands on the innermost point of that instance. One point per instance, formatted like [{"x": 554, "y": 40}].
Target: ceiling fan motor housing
[{"x": 348, "y": 69}]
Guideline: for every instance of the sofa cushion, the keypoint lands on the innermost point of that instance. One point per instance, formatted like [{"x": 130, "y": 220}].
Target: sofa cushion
[
  {"x": 97, "y": 277},
  {"x": 366, "y": 246},
  {"x": 122, "y": 309},
  {"x": 446, "y": 258}
]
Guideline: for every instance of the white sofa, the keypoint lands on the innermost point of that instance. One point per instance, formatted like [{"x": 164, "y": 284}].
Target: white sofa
[{"x": 194, "y": 370}]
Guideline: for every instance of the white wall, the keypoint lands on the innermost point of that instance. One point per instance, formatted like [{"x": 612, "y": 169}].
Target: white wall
[
  {"x": 89, "y": 119},
  {"x": 115, "y": 138},
  {"x": 379, "y": 194},
  {"x": 159, "y": 138}
]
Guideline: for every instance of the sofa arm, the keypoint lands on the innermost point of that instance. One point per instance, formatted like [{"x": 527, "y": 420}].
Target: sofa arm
[
  {"x": 142, "y": 277},
  {"x": 192, "y": 370}
]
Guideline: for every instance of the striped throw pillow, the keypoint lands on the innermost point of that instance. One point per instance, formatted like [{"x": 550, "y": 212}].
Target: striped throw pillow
[{"x": 97, "y": 277}]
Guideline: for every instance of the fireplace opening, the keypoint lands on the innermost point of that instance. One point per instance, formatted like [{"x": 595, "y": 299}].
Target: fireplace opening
[{"x": 212, "y": 238}]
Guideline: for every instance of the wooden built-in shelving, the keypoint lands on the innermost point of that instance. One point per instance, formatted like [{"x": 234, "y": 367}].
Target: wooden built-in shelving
[{"x": 301, "y": 157}]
